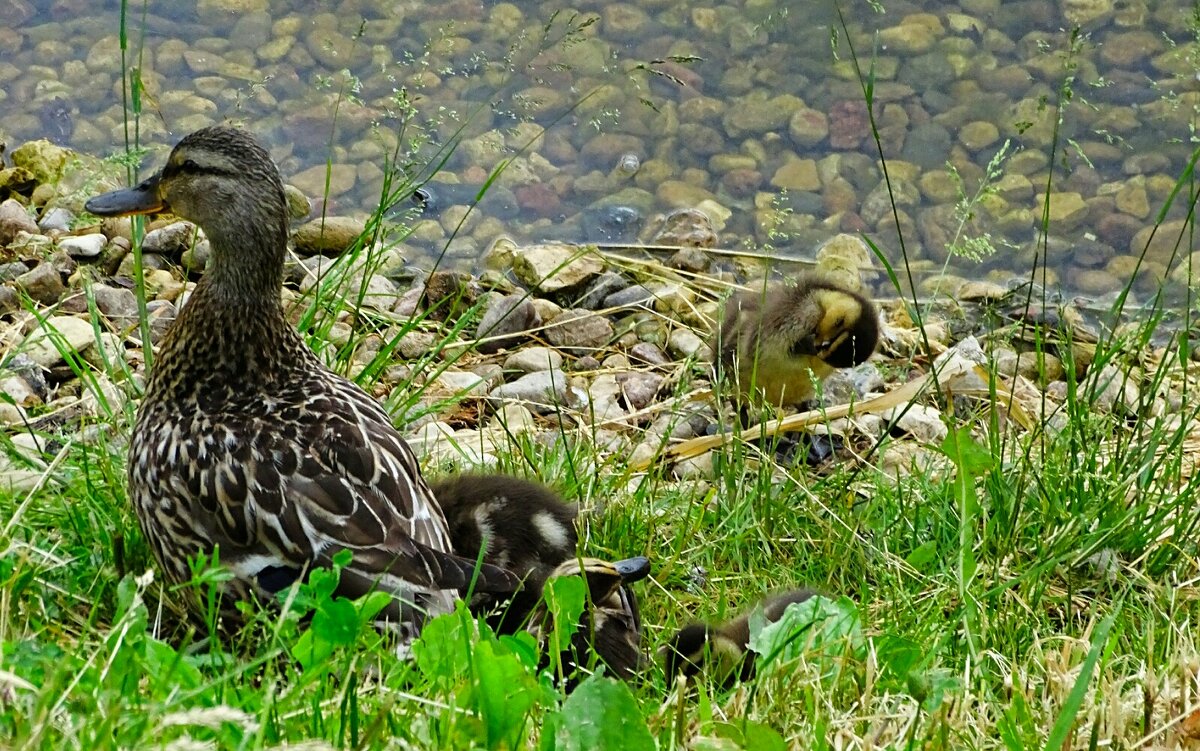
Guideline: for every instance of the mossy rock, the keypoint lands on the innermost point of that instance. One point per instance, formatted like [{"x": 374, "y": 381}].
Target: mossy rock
[{"x": 42, "y": 159}]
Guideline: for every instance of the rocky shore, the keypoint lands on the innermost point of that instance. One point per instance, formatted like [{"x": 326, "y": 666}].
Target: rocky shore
[{"x": 551, "y": 340}]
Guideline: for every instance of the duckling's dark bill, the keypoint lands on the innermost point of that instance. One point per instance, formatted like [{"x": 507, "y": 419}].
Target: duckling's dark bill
[
  {"x": 633, "y": 569},
  {"x": 144, "y": 199}
]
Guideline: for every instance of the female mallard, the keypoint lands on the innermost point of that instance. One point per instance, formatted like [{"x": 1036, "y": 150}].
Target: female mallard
[
  {"x": 246, "y": 448},
  {"x": 781, "y": 341}
]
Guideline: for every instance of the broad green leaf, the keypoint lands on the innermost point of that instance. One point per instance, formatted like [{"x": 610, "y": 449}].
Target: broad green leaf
[
  {"x": 440, "y": 650},
  {"x": 925, "y": 554},
  {"x": 817, "y": 625},
  {"x": 505, "y": 691},
  {"x": 336, "y": 621},
  {"x": 752, "y": 736},
  {"x": 565, "y": 597},
  {"x": 602, "y": 715}
]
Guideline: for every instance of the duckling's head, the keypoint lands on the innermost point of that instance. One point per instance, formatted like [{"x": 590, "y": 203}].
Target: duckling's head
[
  {"x": 218, "y": 177},
  {"x": 847, "y": 330},
  {"x": 604, "y": 578},
  {"x": 699, "y": 647},
  {"x": 611, "y": 626}
]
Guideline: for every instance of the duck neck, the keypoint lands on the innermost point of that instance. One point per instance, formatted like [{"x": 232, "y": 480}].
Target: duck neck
[
  {"x": 232, "y": 330},
  {"x": 247, "y": 261}
]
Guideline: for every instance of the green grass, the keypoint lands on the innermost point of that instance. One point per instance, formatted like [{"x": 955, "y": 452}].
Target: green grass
[{"x": 1023, "y": 586}]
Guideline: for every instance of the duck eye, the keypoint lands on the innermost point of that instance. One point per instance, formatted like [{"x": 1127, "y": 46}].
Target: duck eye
[{"x": 190, "y": 165}]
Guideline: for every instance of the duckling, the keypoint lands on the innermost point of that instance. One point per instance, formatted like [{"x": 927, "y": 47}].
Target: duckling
[
  {"x": 780, "y": 342},
  {"x": 246, "y": 448},
  {"x": 611, "y": 624},
  {"x": 521, "y": 526},
  {"x": 723, "y": 651}
]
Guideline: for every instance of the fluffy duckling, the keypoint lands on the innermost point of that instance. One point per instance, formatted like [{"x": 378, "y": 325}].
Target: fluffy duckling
[
  {"x": 521, "y": 526},
  {"x": 781, "y": 341},
  {"x": 723, "y": 651},
  {"x": 611, "y": 624},
  {"x": 246, "y": 448}
]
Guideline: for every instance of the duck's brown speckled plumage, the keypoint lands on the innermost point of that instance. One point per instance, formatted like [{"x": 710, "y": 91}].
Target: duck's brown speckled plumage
[{"x": 245, "y": 444}]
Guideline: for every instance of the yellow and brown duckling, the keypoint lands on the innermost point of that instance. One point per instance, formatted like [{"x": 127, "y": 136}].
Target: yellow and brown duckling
[
  {"x": 611, "y": 624},
  {"x": 779, "y": 342},
  {"x": 246, "y": 447},
  {"x": 722, "y": 651}
]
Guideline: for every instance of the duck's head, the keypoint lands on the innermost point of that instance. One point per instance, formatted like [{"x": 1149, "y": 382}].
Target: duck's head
[
  {"x": 611, "y": 625},
  {"x": 847, "y": 331},
  {"x": 699, "y": 647},
  {"x": 218, "y": 177},
  {"x": 604, "y": 578}
]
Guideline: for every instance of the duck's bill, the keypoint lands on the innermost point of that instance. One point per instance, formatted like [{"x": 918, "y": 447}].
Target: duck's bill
[
  {"x": 144, "y": 199},
  {"x": 633, "y": 569}
]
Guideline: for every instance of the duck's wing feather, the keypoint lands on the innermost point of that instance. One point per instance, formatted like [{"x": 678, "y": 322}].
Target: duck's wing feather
[{"x": 297, "y": 492}]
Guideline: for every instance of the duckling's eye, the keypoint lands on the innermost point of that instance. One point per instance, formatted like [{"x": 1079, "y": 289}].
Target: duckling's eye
[{"x": 190, "y": 165}]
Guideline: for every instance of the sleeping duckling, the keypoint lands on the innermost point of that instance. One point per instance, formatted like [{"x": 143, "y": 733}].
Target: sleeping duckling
[
  {"x": 781, "y": 341},
  {"x": 526, "y": 528},
  {"x": 611, "y": 624},
  {"x": 522, "y": 526},
  {"x": 723, "y": 651}
]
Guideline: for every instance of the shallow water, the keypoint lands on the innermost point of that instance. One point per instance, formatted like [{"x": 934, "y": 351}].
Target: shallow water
[{"x": 609, "y": 114}]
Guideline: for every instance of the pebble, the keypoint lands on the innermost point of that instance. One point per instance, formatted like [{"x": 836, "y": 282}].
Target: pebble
[
  {"x": 631, "y": 296},
  {"x": 639, "y": 388},
  {"x": 685, "y": 343},
  {"x": 504, "y": 318},
  {"x": 117, "y": 304},
  {"x": 542, "y": 391},
  {"x": 19, "y": 391},
  {"x": 57, "y": 219},
  {"x": 83, "y": 246},
  {"x": 71, "y": 333},
  {"x": 43, "y": 284},
  {"x": 602, "y": 287},
  {"x": 534, "y": 359},
  {"x": 555, "y": 267},
  {"x": 649, "y": 353},
  {"x": 579, "y": 331},
  {"x": 170, "y": 240},
  {"x": 459, "y": 384},
  {"x": 330, "y": 236},
  {"x": 13, "y": 219}
]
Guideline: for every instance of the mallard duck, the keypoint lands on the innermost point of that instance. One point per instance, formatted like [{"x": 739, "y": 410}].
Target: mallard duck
[
  {"x": 780, "y": 341},
  {"x": 723, "y": 651},
  {"x": 246, "y": 448},
  {"x": 611, "y": 624}
]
